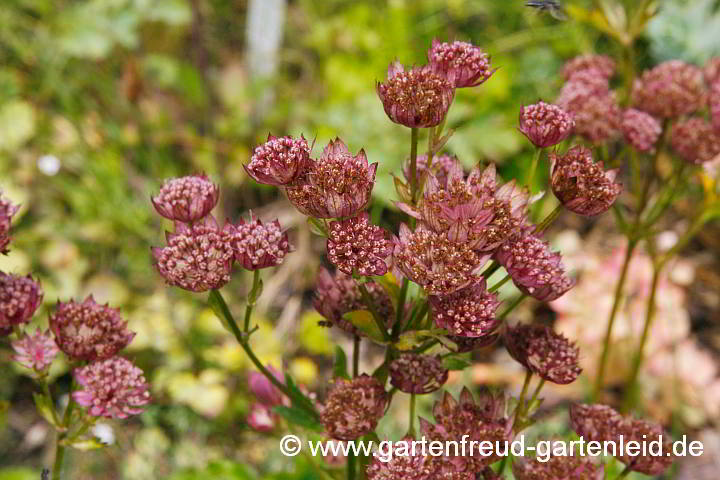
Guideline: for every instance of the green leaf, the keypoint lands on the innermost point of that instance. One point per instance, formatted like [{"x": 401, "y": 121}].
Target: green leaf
[
  {"x": 410, "y": 340},
  {"x": 298, "y": 398},
  {"x": 390, "y": 284},
  {"x": 456, "y": 363},
  {"x": 340, "y": 366},
  {"x": 381, "y": 373},
  {"x": 363, "y": 321},
  {"x": 221, "y": 310},
  {"x": 86, "y": 444},
  {"x": 298, "y": 416},
  {"x": 45, "y": 408}
]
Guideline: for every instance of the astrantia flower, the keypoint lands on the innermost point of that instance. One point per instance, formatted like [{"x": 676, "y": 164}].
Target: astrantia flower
[
  {"x": 557, "y": 468},
  {"x": 544, "y": 352},
  {"x": 353, "y": 407},
  {"x": 412, "y": 373},
  {"x": 186, "y": 199},
  {"x": 264, "y": 390},
  {"x": 261, "y": 418},
  {"x": 469, "y": 312},
  {"x": 89, "y": 331},
  {"x": 588, "y": 99},
  {"x": 197, "y": 257},
  {"x": 481, "y": 421},
  {"x": 581, "y": 184},
  {"x": 338, "y": 294},
  {"x": 443, "y": 166},
  {"x": 7, "y": 211},
  {"x": 641, "y": 130},
  {"x": 545, "y": 124},
  {"x": 337, "y": 185},
  {"x": 599, "y": 65},
  {"x": 112, "y": 388},
  {"x": 279, "y": 161},
  {"x": 35, "y": 351},
  {"x": 671, "y": 89},
  {"x": 257, "y": 245},
  {"x": 19, "y": 298},
  {"x": 406, "y": 463},
  {"x": 417, "y": 98},
  {"x": 460, "y": 63},
  {"x": 595, "y": 422},
  {"x": 534, "y": 268},
  {"x": 432, "y": 261},
  {"x": 356, "y": 245},
  {"x": 695, "y": 140}
]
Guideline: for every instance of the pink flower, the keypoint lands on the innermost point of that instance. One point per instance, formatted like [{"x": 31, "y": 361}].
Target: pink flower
[
  {"x": 598, "y": 65},
  {"x": 545, "y": 124},
  {"x": 186, "y": 199},
  {"x": 279, "y": 161},
  {"x": 112, "y": 388},
  {"x": 418, "y": 98},
  {"x": 356, "y": 245},
  {"x": 353, "y": 407},
  {"x": 581, "y": 184},
  {"x": 337, "y": 185},
  {"x": 19, "y": 298},
  {"x": 256, "y": 245},
  {"x": 469, "y": 312},
  {"x": 89, "y": 331},
  {"x": 35, "y": 351},
  {"x": 641, "y": 130},
  {"x": 7, "y": 211},
  {"x": 420, "y": 374},
  {"x": 406, "y": 463},
  {"x": 261, "y": 418},
  {"x": 264, "y": 390},
  {"x": 711, "y": 71},
  {"x": 462, "y": 64},
  {"x": 695, "y": 140},
  {"x": 443, "y": 167},
  {"x": 557, "y": 468},
  {"x": 671, "y": 89},
  {"x": 197, "y": 257}
]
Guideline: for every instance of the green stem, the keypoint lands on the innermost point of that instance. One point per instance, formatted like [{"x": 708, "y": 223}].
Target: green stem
[
  {"x": 497, "y": 286},
  {"x": 252, "y": 296},
  {"x": 59, "y": 458},
  {"x": 356, "y": 355},
  {"x": 547, "y": 221},
  {"x": 351, "y": 460},
  {"x": 511, "y": 307},
  {"x": 400, "y": 311},
  {"x": 537, "y": 391},
  {"x": 626, "y": 471},
  {"x": 46, "y": 391},
  {"x": 521, "y": 399},
  {"x": 413, "y": 162},
  {"x": 411, "y": 422},
  {"x": 533, "y": 166},
  {"x": 376, "y": 316}
]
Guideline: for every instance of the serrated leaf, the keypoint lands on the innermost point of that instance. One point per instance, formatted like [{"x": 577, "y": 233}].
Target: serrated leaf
[
  {"x": 221, "y": 310},
  {"x": 45, "y": 409},
  {"x": 340, "y": 365},
  {"x": 363, "y": 321},
  {"x": 456, "y": 363},
  {"x": 299, "y": 417}
]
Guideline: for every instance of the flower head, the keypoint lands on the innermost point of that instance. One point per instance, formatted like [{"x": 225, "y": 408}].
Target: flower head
[
  {"x": 261, "y": 418},
  {"x": 420, "y": 374},
  {"x": 279, "y": 161},
  {"x": 7, "y": 211},
  {"x": 35, "y": 351},
  {"x": 356, "y": 245},
  {"x": 581, "y": 184},
  {"x": 405, "y": 463},
  {"x": 186, "y": 199},
  {"x": 197, "y": 257},
  {"x": 112, "y": 388},
  {"x": 671, "y": 89},
  {"x": 89, "y": 331},
  {"x": 544, "y": 352},
  {"x": 264, "y": 390},
  {"x": 592, "y": 106},
  {"x": 353, "y": 407},
  {"x": 257, "y": 245},
  {"x": 557, "y": 468},
  {"x": 432, "y": 261},
  {"x": 533, "y": 267},
  {"x": 641, "y": 130},
  {"x": 338, "y": 294},
  {"x": 19, "y": 298},
  {"x": 462, "y": 64},
  {"x": 443, "y": 167},
  {"x": 545, "y": 124},
  {"x": 695, "y": 140},
  {"x": 598, "y": 65},
  {"x": 337, "y": 184},
  {"x": 469, "y": 312},
  {"x": 417, "y": 98}
]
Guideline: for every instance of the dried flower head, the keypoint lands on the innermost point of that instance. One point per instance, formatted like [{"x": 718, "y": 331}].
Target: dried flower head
[
  {"x": 534, "y": 268},
  {"x": 481, "y": 421},
  {"x": 353, "y": 407},
  {"x": 356, "y": 245},
  {"x": 460, "y": 63},
  {"x": 443, "y": 167},
  {"x": 544, "y": 352},
  {"x": 695, "y": 140},
  {"x": 186, "y": 199},
  {"x": 197, "y": 257},
  {"x": 417, "y": 98},
  {"x": 112, "y": 388},
  {"x": 261, "y": 418},
  {"x": 469, "y": 312},
  {"x": 338, "y": 294},
  {"x": 35, "y": 351},
  {"x": 641, "y": 130},
  {"x": 671, "y": 89},
  {"x": 263, "y": 388},
  {"x": 89, "y": 331},
  {"x": 279, "y": 161},
  {"x": 257, "y": 245},
  {"x": 406, "y": 463},
  {"x": 7, "y": 211},
  {"x": 598, "y": 65},
  {"x": 581, "y": 184},
  {"x": 545, "y": 124},
  {"x": 412, "y": 373},
  {"x": 432, "y": 261},
  {"x": 337, "y": 185},
  {"x": 19, "y": 298},
  {"x": 557, "y": 468}
]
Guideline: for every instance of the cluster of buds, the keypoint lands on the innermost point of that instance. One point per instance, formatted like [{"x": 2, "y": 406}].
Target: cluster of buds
[
  {"x": 261, "y": 417},
  {"x": 357, "y": 246},
  {"x": 7, "y": 211},
  {"x": 671, "y": 89},
  {"x": 469, "y": 312},
  {"x": 35, "y": 351},
  {"x": 256, "y": 245},
  {"x": 420, "y": 374},
  {"x": 600, "y": 66},
  {"x": 353, "y": 407},
  {"x": 186, "y": 199},
  {"x": 545, "y": 124},
  {"x": 695, "y": 140},
  {"x": 640, "y": 129},
  {"x": 460, "y": 63},
  {"x": 19, "y": 298}
]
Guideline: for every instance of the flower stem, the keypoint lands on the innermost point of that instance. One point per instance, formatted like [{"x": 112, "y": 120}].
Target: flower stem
[
  {"x": 537, "y": 391},
  {"x": 626, "y": 471},
  {"x": 511, "y": 307},
  {"x": 252, "y": 297},
  {"x": 356, "y": 355},
  {"x": 413, "y": 162},
  {"x": 400, "y": 311},
  {"x": 376, "y": 316},
  {"x": 351, "y": 460},
  {"x": 59, "y": 457},
  {"x": 411, "y": 422},
  {"x": 533, "y": 166},
  {"x": 521, "y": 399}
]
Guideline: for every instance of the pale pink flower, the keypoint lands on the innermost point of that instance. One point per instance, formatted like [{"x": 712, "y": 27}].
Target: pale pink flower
[{"x": 186, "y": 199}]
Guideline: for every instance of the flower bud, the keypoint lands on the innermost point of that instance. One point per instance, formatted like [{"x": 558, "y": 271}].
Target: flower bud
[
  {"x": 462, "y": 64},
  {"x": 261, "y": 418},
  {"x": 469, "y": 312},
  {"x": 186, "y": 199},
  {"x": 420, "y": 374},
  {"x": 353, "y": 407},
  {"x": 279, "y": 161},
  {"x": 256, "y": 245},
  {"x": 641, "y": 130},
  {"x": 545, "y": 124},
  {"x": 7, "y": 211},
  {"x": 19, "y": 298},
  {"x": 356, "y": 245},
  {"x": 263, "y": 388}
]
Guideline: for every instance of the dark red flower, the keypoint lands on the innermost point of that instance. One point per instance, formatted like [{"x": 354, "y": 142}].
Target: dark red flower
[
  {"x": 695, "y": 140},
  {"x": 7, "y": 211},
  {"x": 598, "y": 65}
]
